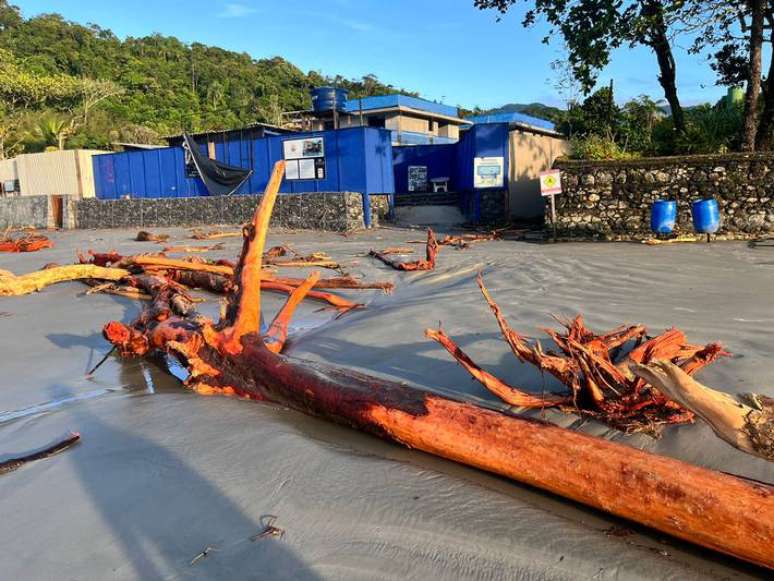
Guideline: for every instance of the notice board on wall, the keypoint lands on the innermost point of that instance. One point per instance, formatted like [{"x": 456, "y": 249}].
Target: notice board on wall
[
  {"x": 304, "y": 158},
  {"x": 488, "y": 172},
  {"x": 417, "y": 178}
]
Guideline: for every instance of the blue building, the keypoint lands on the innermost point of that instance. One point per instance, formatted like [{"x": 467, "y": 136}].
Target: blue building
[
  {"x": 411, "y": 120},
  {"x": 358, "y": 159}
]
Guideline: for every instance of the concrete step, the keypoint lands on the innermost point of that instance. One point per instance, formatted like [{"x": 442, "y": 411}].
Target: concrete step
[
  {"x": 420, "y": 215},
  {"x": 428, "y": 199}
]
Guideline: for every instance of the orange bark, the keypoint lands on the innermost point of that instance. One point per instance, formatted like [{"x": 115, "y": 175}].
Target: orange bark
[
  {"x": 712, "y": 509},
  {"x": 278, "y": 331},
  {"x": 428, "y": 263}
]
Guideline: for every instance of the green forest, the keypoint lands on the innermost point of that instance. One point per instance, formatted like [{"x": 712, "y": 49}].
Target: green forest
[{"x": 63, "y": 84}]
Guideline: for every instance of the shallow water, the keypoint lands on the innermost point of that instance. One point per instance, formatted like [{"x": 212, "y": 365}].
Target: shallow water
[{"x": 161, "y": 473}]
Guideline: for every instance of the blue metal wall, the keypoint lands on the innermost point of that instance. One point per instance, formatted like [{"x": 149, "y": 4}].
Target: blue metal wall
[
  {"x": 439, "y": 159},
  {"x": 358, "y": 159},
  {"x": 456, "y": 162}
]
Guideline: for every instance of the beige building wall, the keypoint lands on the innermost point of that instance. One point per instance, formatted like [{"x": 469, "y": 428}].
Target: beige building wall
[
  {"x": 68, "y": 172},
  {"x": 407, "y": 123},
  {"x": 449, "y": 130},
  {"x": 8, "y": 170},
  {"x": 530, "y": 153}
]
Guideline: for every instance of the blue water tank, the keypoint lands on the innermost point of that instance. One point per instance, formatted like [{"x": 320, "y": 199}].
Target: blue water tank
[
  {"x": 706, "y": 216},
  {"x": 663, "y": 216},
  {"x": 326, "y": 99}
]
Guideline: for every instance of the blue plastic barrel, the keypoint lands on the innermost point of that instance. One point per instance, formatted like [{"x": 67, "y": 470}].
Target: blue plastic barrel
[
  {"x": 663, "y": 216},
  {"x": 328, "y": 98},
  {"x": 706, "y": 216}
]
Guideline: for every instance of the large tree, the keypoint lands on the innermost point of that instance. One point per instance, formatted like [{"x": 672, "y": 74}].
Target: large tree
[
  {"x": 736, "y": 32},
  {"x": 592, "y": 29}
]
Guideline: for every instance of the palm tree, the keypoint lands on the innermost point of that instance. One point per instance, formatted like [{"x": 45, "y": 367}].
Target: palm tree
[{"x": 52, "y": 130}]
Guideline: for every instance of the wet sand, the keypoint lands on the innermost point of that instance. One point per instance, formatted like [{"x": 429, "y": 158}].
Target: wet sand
[{"x": 162, "y": 474}]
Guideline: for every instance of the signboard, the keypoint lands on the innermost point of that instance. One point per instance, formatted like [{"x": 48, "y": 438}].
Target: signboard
[
  {"x": 304, "y": 158},
  {"x": 303, "y": 148},
  {"x": 190, "y": 166},
  {"x": 550, "y": 182},
  {"x": 488, "y": 172},
  {"x": 417, "y": 178}
]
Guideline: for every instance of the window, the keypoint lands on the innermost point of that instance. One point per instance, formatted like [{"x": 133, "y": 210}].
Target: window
[{"x": 376, "y": 121}]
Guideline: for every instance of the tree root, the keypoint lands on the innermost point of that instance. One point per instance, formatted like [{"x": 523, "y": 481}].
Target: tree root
[
  {"x": 599, "y": 386},
  {"x": 709, "y": 508}
]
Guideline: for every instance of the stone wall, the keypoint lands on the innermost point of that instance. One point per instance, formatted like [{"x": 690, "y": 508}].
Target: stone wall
[
  {"x": 339, "y": 211},
  {"x": 612, "y": 199},
  {"x": 380, "y": 209},
  {"x": 23, "y": 211}
]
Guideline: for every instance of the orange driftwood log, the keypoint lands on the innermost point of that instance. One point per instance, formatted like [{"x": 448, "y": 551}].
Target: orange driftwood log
[
  {"x": 25, "y": 243},
  {"x": 712, "y": 509},
  {"x": 428, "y": 263}
]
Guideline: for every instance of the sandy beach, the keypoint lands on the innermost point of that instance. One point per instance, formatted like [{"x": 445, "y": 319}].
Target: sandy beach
[{"x": 163, "y": 474}]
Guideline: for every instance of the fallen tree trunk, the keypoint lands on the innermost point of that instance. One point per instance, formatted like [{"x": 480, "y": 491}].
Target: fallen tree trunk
[
  {"x": 712, "y": 509},
  {"x": 12, "y": 285}
]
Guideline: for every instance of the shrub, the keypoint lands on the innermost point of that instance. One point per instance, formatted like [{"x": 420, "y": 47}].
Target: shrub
[{"x": 597, "y": 147}]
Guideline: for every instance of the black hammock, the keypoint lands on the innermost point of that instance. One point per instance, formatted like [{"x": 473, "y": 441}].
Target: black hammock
[{"x": 219, "y": 178}]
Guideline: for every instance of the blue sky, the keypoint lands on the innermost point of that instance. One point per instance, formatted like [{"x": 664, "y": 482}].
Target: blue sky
[{"x": 445, "y": 49}]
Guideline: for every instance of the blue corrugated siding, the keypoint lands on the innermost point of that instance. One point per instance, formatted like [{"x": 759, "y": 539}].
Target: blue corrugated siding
[
  {"x": 357, "y": 160},
  {"x": 387, "y": 101}
]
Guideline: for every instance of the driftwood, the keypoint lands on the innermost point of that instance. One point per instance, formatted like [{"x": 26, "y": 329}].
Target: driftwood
[
  {"x": 599, "y": 386},
  {"x": 192, "y": 249},
  {"x": 12, "y": 285},
  {"x": 712, "y": 509},
  {"x": 284, "y": 256},
  {"x": 25, "y": 243},
  {"x": 15, "y": 463},
  {"x": 197, "y": 234},
  {"x": 427, "y": 263},
  {"x": 465, "y": 240},
  {"x": 145, "y": 236},
  {"x": 748, "y": 425}
]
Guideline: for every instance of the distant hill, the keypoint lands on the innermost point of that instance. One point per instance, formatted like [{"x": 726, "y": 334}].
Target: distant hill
[
  {"x": 167, "y": 84},
  {"x": 535, "y": 109}
]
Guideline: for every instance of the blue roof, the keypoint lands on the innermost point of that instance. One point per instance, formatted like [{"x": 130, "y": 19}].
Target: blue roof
[
  {"x": 519, "y": 118},
  {"x": 388, "y": 101}
]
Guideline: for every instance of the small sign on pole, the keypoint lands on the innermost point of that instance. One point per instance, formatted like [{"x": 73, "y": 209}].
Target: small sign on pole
[{"x": 550, "y": 185}]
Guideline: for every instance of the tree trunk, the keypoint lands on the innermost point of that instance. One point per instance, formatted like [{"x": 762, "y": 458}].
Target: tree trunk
[
  {"x": 659, "y": 42},
  {"x": 765, "y": 138},
  {"x": 750, "y": 125},
  {"x": 712, "y": 509}
]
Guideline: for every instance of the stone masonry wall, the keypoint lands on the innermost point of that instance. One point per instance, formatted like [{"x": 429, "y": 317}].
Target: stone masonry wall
[
  {"x": 380, "y": 209},
  {"x": 338, "y": 211},
  {"x": 612, "y": 199}
]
